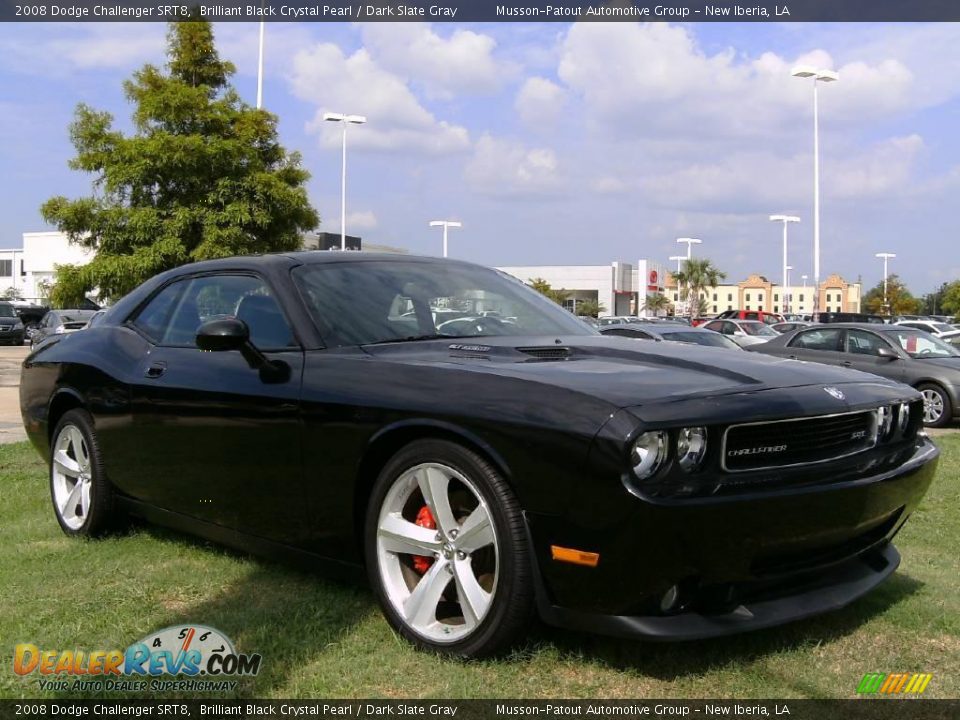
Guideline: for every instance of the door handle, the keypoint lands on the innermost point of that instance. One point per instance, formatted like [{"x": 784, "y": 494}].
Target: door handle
[
  {"x": 847, "y": 363},
  {"x": 156, "y": 370},
  {"x": 793, "y": 357}
]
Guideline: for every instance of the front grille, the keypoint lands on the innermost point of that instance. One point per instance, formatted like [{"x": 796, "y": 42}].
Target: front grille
[
  {"x": 5, "y": 328},
  {"x": 546, "y": 353},
  {"x": 777, "y": 444}
]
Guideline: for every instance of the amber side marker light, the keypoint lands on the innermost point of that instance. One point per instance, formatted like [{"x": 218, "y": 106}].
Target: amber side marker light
[{"x": 577, "y": 557}]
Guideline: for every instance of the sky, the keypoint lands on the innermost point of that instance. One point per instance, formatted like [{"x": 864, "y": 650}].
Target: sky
[{"x": 561, "y": 144}]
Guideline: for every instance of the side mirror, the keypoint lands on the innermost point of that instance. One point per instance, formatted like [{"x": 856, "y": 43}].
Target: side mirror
[
  {"x": 887, "y": 353},
  {"x": 222, "y": 335},
  {"x": 233, "y": 334}
]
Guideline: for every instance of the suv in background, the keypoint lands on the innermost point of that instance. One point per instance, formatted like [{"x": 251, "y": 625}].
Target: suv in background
[
  {"x": 849, "y": 317},
  {"x": 11, "y": 326}
]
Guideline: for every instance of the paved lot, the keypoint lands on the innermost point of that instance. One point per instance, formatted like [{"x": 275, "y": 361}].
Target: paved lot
[{"x": 11, "y": 426}]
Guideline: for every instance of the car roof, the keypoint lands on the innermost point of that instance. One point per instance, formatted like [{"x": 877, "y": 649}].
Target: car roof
[{"x": 646, "y": 327}]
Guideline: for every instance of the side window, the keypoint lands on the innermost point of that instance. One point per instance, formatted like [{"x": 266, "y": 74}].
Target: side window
[
  {"x": 715, "y": 326},
  {"x": 751, "y": 316},
  {"x": 153, "y": 319},
  {"x": 863, "y": 343},
  {"x": 174, "y": 315},
  {"x": 729, "y": 329},
  {"x": 820, "y": 339}
]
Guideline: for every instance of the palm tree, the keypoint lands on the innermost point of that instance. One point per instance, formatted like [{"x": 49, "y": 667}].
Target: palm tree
[
  {"x": 657, "y": 302},
  {"x": 589, "y": 308},
  {"x": 698, "y": 275},
  {"x": 543, "y": 287}
]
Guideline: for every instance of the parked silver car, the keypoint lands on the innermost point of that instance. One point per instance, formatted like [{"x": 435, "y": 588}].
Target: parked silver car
[
  {"x": 57, "y": 322},
  {"x": 897, "y": 352},
  {"x": 743, "y": 332}
]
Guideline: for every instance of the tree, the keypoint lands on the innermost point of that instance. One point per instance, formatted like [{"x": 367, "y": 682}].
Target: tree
[
  {"x": 11, "y": 293},
  {"x": 950, "y": 302},
  {"x": 589, "y": 308},
  {"x": 543, "y": 287},
  {"x": 899, "y": 299},
  {"x": 657, "y": 302},
  {"x": 698, "y": 275},
  {"x": 202, "y": 176}
]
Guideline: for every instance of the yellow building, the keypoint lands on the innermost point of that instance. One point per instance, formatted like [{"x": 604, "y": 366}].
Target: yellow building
[{"x": 758, "y": 293}]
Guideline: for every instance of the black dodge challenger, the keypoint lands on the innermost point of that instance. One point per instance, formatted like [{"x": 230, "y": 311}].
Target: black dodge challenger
[{"x": 479, "y": 450}]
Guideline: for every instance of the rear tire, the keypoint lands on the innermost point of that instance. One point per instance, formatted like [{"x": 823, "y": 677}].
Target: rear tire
[
  {"x": 937, "y": 409},
  {"x": 447, "y": 552},
  {"x": 82, "y": 496}
]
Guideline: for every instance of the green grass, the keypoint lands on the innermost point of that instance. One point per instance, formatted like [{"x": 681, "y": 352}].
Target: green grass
[{"x": 322, "y": 639}]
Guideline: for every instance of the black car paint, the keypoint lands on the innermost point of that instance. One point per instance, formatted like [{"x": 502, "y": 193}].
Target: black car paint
[{"x": 285, "y": 468}]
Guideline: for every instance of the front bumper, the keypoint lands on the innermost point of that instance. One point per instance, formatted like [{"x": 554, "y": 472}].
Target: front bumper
[{"x": 736, "y": 563}]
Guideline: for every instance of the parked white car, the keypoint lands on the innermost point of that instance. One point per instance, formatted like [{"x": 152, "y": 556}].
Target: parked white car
[
  {"x": 743, "y": 332},
  {"x": 931, "y": 326}
]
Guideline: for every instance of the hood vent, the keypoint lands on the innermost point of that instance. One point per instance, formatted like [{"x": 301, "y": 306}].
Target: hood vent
[{"x": 546, "y": 353}]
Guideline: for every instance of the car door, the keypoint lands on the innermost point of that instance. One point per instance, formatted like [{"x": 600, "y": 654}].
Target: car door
[
  {"x": 820, "y": 344},
  {"x": 862, "y": 352},
  {"x": 219, "y": 441}
]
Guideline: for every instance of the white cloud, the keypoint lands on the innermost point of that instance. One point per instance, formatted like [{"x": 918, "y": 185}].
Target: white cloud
[
  {"x": 540, "y": 101},
  {"x": 461, "y": 63},
  {"x": 361, "y": 220},
  {"x": 507, "y": 167},
  {"x": 334, "y": 82},
  {"x": 65, "y": 49},
  {"x": 608, "y": 185},
  {"x": 655, "y": 79}
]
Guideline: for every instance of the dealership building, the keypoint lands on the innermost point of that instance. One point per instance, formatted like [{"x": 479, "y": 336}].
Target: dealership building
[
  {"x": 621, "y": 288},
  {"x": 27, "y": 272}
]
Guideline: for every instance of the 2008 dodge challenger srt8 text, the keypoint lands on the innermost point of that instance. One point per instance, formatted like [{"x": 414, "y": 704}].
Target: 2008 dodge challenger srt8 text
[{"x": 481, "y": 451}]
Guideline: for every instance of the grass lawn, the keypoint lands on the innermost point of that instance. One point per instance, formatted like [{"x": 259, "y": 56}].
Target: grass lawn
[{"x": 321, "y": 639}]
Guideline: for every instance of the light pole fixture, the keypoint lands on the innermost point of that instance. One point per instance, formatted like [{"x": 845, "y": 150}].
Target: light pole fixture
[
  {"x": 690, "y": 242},
  {"x": 786, "y": 220},
  {"x": 804, "y": 278},
  {"x": 819, "y": 76},
  {"x": 886, "y": 258},
  {"x": 445, "y": 224},
  {"x": 344, "y": 120}
]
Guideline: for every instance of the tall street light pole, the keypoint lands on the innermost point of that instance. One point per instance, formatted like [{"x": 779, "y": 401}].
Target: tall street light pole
[
  {"x": 806, "y": 71},
  {"x": 690, "y": 242},
  {"x": 344, "y": 120},
  {"x": 786, "y": 220},
  {"x": 787, "y": 295},
  {"x": 886, "y": 257},
  {"x": 260, "y": 70},
  {"x": 446, "y": 225}
]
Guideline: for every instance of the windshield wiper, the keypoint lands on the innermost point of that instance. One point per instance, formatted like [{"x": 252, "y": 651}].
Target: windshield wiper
[{"x": 417, "y": 338}]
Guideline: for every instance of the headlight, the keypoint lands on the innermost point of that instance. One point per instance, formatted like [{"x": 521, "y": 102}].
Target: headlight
[
  {"x": 59, "y": 329},
  {"x": 884, "y": 422},
  {"x": 691, "y": 447},
  {"x": 903, "y": 419},
  {"x": 648, "y": 453}
]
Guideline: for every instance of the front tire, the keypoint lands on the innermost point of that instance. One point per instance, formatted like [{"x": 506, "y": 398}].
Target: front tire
[
  {"x": 447, "y": 552},
  {"x": 937, "y": 409},
  {"x": 81, "y": 494}
]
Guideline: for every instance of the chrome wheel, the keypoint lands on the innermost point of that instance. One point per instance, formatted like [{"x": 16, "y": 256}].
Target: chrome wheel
[
  {"x": 72, "y": 477},
  {"x": 437, "y": 552},
  {"x": 932, "y": 406}
]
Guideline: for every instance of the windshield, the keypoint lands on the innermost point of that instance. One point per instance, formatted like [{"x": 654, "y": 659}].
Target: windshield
[
  {"x": 757, "y": 328},
  {"x": 710, "y": 339},
  {"x": 7, "y": 311},
  {"x": 922, "y": 345},
  {"x": 359, "y": 303},
  {"x": 942, "y": 327}
]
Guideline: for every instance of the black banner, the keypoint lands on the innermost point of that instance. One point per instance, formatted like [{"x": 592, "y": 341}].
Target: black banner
[
  {"x": 481, "y": 11},
  {"x": 903, "y": 709}
]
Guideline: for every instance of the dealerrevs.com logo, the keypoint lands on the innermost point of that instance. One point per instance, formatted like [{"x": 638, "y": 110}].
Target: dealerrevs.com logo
[{"x": 179, "y": 657}]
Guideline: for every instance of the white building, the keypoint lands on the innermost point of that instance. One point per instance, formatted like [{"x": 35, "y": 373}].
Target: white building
[
  {"x": 619, "y": 287},
  {"x": 28, "y": 268}
]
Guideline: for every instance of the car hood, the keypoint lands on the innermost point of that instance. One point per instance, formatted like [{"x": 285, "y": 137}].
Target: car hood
[{"x": 621, "y": 371}]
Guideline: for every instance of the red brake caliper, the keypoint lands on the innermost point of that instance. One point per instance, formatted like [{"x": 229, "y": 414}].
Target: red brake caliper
[{"x": 422, "y": 563}]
